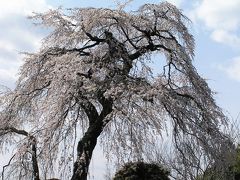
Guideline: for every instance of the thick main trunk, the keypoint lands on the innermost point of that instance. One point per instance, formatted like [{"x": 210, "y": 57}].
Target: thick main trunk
[
  {"x": 35, "y": 162},
  {"x": 87, "y": 144},
  {"x": 85, "y": 149}
]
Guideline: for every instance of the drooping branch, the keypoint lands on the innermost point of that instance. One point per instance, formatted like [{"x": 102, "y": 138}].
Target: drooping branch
[
  {"x": 5, "y": 166},
  {"x": 32, "y": 141}
]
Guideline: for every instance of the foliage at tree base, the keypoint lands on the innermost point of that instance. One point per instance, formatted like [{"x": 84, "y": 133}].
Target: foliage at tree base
[
  {"x": 232, "y": 172},
  {"x": 141, "y": 171}
]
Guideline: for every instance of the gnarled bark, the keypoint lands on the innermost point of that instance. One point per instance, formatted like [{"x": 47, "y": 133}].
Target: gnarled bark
[{"x": 87, "y": 144}]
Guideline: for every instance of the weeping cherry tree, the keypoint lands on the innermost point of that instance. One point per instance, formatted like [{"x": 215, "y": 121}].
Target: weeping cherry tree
[{"x": 92, "y": 78}]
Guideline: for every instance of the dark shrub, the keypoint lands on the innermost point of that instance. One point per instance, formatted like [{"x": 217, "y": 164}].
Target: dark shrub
[{"x": 141, "y": 171}]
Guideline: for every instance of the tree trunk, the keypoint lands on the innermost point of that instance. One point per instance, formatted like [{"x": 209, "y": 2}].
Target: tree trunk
[
  {"x": 87, "y": 144},
  {"x": 35, "y": 162},
  {"x": 85, "y": 149}
]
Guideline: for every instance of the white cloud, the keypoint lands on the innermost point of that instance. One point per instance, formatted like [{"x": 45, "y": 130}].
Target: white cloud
[
  {"x": 232, "y": 69},
  {"x": 219, "y": 13},
  {"x": 175, "y": 2},
  {"x": 21, "y": 7},
  {"x": 226, "y": 37},
  {"x": 8, "y": 75},
  {"x": 221, "y": 17},
  {"x": 17, "y": 34}
]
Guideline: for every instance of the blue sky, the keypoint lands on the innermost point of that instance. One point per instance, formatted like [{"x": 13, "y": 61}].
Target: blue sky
[{"x": 215, "y": 26}]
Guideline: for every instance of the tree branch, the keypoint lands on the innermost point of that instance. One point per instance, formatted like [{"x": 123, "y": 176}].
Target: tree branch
[
  {"x": 34, "y": 148},
  {"x": 7, "y": 166}
]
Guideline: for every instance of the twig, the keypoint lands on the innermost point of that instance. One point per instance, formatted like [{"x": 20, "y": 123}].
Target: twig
[{"x": 7, "y": 166}]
